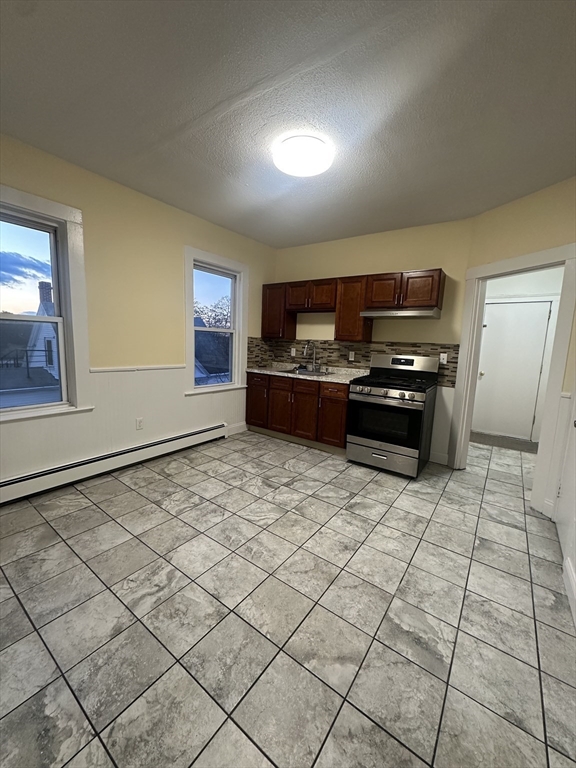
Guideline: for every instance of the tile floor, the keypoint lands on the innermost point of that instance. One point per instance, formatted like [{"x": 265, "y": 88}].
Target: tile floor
[{"x": 251, "y": 603}]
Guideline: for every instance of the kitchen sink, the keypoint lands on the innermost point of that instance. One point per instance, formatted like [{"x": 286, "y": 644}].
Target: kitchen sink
[{"x": 303, "y": 372}]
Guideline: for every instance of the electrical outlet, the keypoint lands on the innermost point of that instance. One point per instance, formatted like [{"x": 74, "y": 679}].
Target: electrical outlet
[
  {"x": 351, "y": 356},
  {"x": 292, "y": 351},
  {"x": 443, "y": 358},
  {"x": 139, "y": 423}
]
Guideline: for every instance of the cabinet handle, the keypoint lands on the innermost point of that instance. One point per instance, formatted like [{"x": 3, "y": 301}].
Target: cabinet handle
[
  {"x": 265, "y": 393},
  {"x": 332, "y": 390},
  {"x": 401, "y": 298},
  {"x": 396, "y": 298}
]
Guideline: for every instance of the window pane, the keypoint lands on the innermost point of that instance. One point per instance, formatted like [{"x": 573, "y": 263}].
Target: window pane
[
  {"x": 212, "y": 300},
  {"x": 213, "y": 358},
  {"x": 25, "y": 271},
  {"x": 29, "y": 364}
]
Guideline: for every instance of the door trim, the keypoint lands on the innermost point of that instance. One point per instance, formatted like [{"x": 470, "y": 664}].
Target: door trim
[{"x": 546, "y": 477}]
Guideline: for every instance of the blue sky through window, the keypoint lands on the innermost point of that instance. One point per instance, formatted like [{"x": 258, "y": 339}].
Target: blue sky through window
[
  {"x": 208, "y": 287},
  {"x": 24, "y": 262}
]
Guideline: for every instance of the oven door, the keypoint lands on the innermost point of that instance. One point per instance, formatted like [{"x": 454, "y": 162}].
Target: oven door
[{"x": 385, "y": 423}]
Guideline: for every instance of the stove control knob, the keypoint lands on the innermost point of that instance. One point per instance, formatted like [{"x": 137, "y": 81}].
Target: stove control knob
[
  {"x": 411, "y": 395},
  {"x": 367, "y": 389},
  {"x": 401, "y": 395},
  {"x": 384, "y": 392},
  {"x": 360, "y": 389}
]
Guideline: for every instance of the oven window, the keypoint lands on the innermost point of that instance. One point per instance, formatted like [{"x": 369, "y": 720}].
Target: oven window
[{"x": 384, "y": 423}]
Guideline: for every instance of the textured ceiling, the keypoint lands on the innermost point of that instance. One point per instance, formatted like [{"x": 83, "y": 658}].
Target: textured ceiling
[{"x": 439, "y": 109}]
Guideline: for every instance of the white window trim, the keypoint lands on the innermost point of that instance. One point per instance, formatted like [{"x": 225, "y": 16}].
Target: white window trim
[
  {"x": 194, "y": 256},
  {"x": 72, "y": 296}
]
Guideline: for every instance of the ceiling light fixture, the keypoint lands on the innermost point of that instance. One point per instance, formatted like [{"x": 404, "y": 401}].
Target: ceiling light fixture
[{"x": 302, "y": 154}]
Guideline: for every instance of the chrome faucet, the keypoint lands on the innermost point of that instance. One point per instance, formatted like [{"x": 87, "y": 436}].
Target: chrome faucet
[{"x": 306, "y": 349}]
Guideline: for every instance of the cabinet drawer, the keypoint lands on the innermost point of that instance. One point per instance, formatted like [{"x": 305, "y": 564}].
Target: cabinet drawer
[
  {"x": 335, "y": 391},
  {"x": 279, "y": 382},
  {"x": 257, "y": 379},
  {"x": 304, "y": 385}
]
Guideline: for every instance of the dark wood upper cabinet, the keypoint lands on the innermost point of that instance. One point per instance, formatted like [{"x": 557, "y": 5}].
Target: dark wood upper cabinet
[
  {"x": 257, "y": 400},
  {"x": 422, "y": 288},
  {"x": 311, "y": 296},
  {"x": 383, "y": 290},
  {"x": 350, "y": 301},
  {"x": 277, "y": 322}
]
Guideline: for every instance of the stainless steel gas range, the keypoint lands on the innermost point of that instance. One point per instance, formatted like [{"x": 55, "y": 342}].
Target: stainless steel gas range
[{"x": 390, "y": 413}]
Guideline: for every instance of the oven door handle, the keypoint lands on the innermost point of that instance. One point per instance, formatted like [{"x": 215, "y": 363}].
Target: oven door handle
[{"x": 411, "y": 404}]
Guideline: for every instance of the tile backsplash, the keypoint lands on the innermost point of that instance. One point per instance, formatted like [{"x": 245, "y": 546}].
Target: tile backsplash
[{"x": 335, "y": 354}]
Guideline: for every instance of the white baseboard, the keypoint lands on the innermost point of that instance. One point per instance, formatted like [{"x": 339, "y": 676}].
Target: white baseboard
[
  {"x": 570, "y": 584},
  {"x": 54, "y": 479},
  {"x": 439, "y": 458},
  {"x": 547, "y": 508}
]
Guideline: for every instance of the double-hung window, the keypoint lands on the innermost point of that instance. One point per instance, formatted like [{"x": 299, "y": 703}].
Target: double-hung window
[
  {"x": 43, "y": 327},
  {"x": 214, "y": 325}
]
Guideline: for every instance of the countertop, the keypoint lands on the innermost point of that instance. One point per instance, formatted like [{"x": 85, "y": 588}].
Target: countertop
[{"x": 334, "y": 375}]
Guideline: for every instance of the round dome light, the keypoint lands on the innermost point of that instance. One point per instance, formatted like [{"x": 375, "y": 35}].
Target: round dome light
[{"x": 302, "y": 155}]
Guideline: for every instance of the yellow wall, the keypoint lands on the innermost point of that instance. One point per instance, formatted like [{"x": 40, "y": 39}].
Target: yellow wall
[{"x": 134, "y": 254}]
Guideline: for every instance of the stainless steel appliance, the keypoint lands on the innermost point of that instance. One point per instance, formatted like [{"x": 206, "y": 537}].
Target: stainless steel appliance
[{"x": 390, "y": 413}]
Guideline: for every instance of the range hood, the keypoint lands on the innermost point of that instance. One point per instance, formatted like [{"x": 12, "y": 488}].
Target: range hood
[{"x": 433, "y": 313}]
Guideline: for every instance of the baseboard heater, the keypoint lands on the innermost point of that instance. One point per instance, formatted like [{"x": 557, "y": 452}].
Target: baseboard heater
[{"x": 108, "y": 456}]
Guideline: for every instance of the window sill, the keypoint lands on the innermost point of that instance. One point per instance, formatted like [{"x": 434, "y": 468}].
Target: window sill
[
  {"x": 40, "y": 413},
  {"x": 212, "y": 390}
]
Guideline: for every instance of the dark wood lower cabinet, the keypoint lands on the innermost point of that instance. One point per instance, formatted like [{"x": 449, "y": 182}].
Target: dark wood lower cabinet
[
  {"x": 305, "y": 411},
  {"x": 257, "y": 400},
  {"x": 332, "y": 422},
  {"x": 280, "y": 408}
]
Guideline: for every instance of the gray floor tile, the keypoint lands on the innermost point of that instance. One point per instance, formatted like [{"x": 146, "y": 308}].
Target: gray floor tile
[
  {"x": 316, "y": 510},
  {"x": 547, "y": 549},
  {"x": 47, "y": 730},
  {"x": 420, "y": 637},
  {"x": 432, "y": 594},
  {"x": 138, "y": 477},
  {"x": 62, "y": 505},
  {"x": 19, "y": 520},
  {"x": 119, "y": 562},
  {"x": 25, "y": 668},
  {"x": 179, "y": 503},
  {"x": 169, "y": 535},
  {"x": 377, "y": 567},
  {"x": 500, "y": 682},
  {"x": 275, "y": 609},
  {"x": 197, "y": 555},
  {"x": 26, "y": 542},
  {"x": 6, "y": 591},
  {"x": 332, "y": 546},
  {"x": 557, "y": 653},
  {"x": 442, "y": 562},
  {"x": 230, "y": 748},
  {"x": 558, "y": 760},
  {"x": 450, "y": 538},
  {"x": 14, "y": 624},
  {"x": 232, "y": 579},
  {"x": 503, "y": 500},
  {"x": 267, "y": 551},
  {"x": 409, "y": 688},
  {"x": 294, "y": 528},
  {"x": 79, "y": 632},
  {"x": 38, "y": 567},
  {"x": 106, "y": 490},
  {"x": 560, "y": 709},
  {"x": 205, "y": 515},
  {"x": 329, "y": 647},
  {"x": 94, "y": 542},
  {"x": 166, "y": 466},
  {"x": 451, "y": 500},
  {"x": 233, "y": 532},
  {"x": 279, "y": 475},
  {"x": 234, "y": 499},
  {"x": 414, "y": 505},
  {"x": 262, "y": 512},
  {"x": 505, "y": 477},
  {"x": 502, "y": 534},
  {"x": 59, "y": 594},
  {"x": 117, "y": 673},
  {"x": 475, "y": 737},
  {"x": 160, "y": 489},
  {"x": 357, "y": 601},
  {"x": 79, "y": 521},
  {"x": 287, "y": 498},
  {"x": 123, "y": 504},
  {"x": 338, "y": 497},
  {"x": 350, "y": 524},
  {"x": 545, "y": 528},
  {"x": 504, "y": 558},
  {"x": 369, "y": 508},
  {"x": 307, "y": 573},
  {"x": 504, "y": 516},
  {"x": 507, "y": 489},
  {"x": 92, "y": 756},
  {"x": 304, "y": 484},
  {"x": 147, "y": 588},
  {"x": 422, "y": 490},
  {"x": 188, "y": 478},
  {"x": 229, "y": 659},
  {"x": 143, "y": 519},
  {"x": 547, "y": 574},
  {"x": 393, "y": 542},
  {"x": 508, "y": 630},
  {"x": 501, "y": 587},
  {"x": 288, "y": 713},
  {"x": 356, "y": 741},
  {"x": 168, "y": 725},
  {"x": 379, "y": 493},
  {"x": 553, "y": 609},
  {"x": 236, "y": 477},
  {"x": 348, "y": 483},
  {"x": 405, "y": 521}
]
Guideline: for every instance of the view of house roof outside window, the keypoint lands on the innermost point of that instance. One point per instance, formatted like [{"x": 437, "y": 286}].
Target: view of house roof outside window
[
  {"x": 213, "y": 327},
  {"x": 29, "y": 354}
]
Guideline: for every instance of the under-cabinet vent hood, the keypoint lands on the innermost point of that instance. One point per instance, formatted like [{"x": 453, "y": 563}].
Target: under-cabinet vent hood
[{"x": 433, "y": 313}]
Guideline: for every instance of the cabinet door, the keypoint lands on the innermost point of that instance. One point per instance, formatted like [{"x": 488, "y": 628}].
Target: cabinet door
[
  {"x": 297, "y": 296},
  {"x": 277, "y": 323},
  {"x": 383, "y": 290},
  {"x": 424, "y": 288},
  {"x": 322, "y": 295},
  {"x": 257, "y": 406},
  {"x": 279, "y": 410},
  {"x": 350, "y": 299},
  {"x": 332, "y": 422},
  {"x": 304, "y": 415}
]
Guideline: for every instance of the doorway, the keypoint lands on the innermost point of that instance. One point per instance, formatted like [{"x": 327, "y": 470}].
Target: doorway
[{"x": 518, "y": 329}]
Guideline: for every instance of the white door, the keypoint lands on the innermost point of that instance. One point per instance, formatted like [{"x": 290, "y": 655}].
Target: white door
[
  {"x": 565, "y": 513},
  {"x": 511, "y": 355}
]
